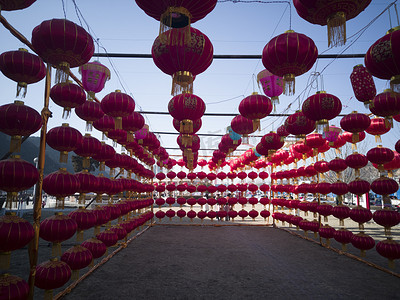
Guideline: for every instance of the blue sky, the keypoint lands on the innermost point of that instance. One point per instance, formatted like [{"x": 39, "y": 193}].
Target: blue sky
[{"x": 233, "y": 28}]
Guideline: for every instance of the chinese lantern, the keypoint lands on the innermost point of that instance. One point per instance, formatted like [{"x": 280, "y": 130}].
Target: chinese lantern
[
  {"x": 339, "y": 188},
  {"x": 333, "y": 13},
  {"x": 132, "y": 123},
  {"x": 380, "y": 156},
  {"x": 386, "y": 104},
  {"x": 13, "y": 287},
  {"x": 382, "y": 59},
  {"x": 299, "y": 125},
  {"x": 77, "y": 257},
  {"x": 326, "y": 232},
  {"x": 255, "y": 107},
  {"x": 21, "y": 66},
  {"x": 359, "y": 187},
  {"x": 242, "y": 126},
  {"x": 321, "y": 108},
  {"x": 68, "y": 96},
  {"x": 118, "y": 105},
  {"x": 64, "y": 139},
  {"x": 384, "y": 186},
  {"x": 8, "y": 5},
  {"x": 343, "y": 236},
  {"x": 64, "y": 44},
  {"x": 108, "y": 237},
  {"x": 91, "y": 112},
  {"x": 50, "y": 275},
  {"x": 363, "y": 242},
  {"x": 337, "y": 165},
  {"x": 88, "y": 147},
  {"x": 360, "y": 215},
  {"x": 378, "y": 127},
  {"x": 355, "y": 123},
  {"x": 105, "y": 153},
  {"x": 60, "y": 184},
  {"x": 16, "y": 175},
  {"x": 94, "y": 77},
  {"x": 394, "y": 164},
  {"x": 389, "y": 249},
  {"x": 56, "y": 229},
  {"x": 95, "y": 246},
  {"x": 17, "y": 120},
  {"x": 288, "y": 55},
  {"x": 183, "y": 61},
  {"x": 363, "y": 84},
  {"x": 272, "y": 85},
  {"x": 356, "y": 161},
  {"x": 88, "y": 183},
  {"x": 15, "y": 233},
  {"x": 84, "y": 218},
  {"x": 314, "y": 140}
]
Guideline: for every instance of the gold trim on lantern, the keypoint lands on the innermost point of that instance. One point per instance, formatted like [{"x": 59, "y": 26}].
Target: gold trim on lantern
[
  {"x": 182, "y": 82},
  {"x": 337, "y": 29}
]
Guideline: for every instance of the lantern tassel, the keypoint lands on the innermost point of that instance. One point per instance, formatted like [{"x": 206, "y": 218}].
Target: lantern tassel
[
  {"x": 344, "y": 247},
  {"x": 256, "y": 125},
  {"x": 60, "y": 203},
  {"x": 15, "y": 143},
  {"x": 79, "y": 236},
  {"x": 328, "y": 242},
  {"x": 86, "y": 162},
  {"x": 5, "y": 258},
  {"x": 66, "y": 112},
  {"x": 63, "y": 157},
  {"x": 102, "y": 166},
  {"x": 12, "y": 197},
  {"x": 182, "y": 82},
  {"x": 289, "y": 84},
  {"x": 187, "y": 140},
  {"x": 89, "y": 126},
  {"x": 75, "y": 275},
  {"x": 22, "y": 87},
  {"x": 395, "y": 83},
  {"x": 186, "y": 126},
  {"x": 391, "y": 263},
  {"x": 378, "y": 139},
  {"x": 48, "y": 294},
  {"x": 118, "y": 122},
  {"x": 337, "y": 29},
  {"x": 62, "y": 72},
  {"x": 56, "y": 249}
]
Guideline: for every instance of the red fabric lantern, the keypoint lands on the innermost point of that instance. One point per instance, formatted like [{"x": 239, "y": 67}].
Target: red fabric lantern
[
  {"x": 64, "y": 44},
  {"x": 64, "y": 139},
  {"x": 88, "y": 147},
  {"x": 363, "y": 242},
  {"x": 321, "y": 108},
  {"x": 132, "y": 123},
  {"x": 95, "y": 246},
  {"x": 56, "y": 229},
  {"x": 363, "y": 84},
  {"x": 314, "y": 140},
  {"x": 343, "y": 236},
  {"x": 84, "y": 218},
  {"x": 326, "y": 232},
  {"x": 10, "y": 5},
  {"x": 23, "y": 67},
  {"x": 196, "y": 125},
  {"x": 94, "y": 77},
  {"x": 378, "y": 127},
  {"x": 386, "y": 104},
  {"x": 67, "y": 95},
  {"x": 380, "y": 156},
  {"x": 13, "y": 287},
  {"x": 337, "y": 165},
  {"x": 105, "y": 153},
  {"x": 299, "y": 125},
  {"x": 183, "y": 61},
  {"x": 52, "y": 274},
  {"x": 288, "y": 55},
  {"x": 16, "y": 175},
  {"x": 321, "y": 166},
  {"x": 77, "y": 257},
  {"x": 17, "y": 120},
  {"x": 242, "y": 125},
  {"x": 382, "y": 58},
  {"x": 91, "y": 111},
  {"x": 384, "y": 186},
  {"x": 359, "y": 187},
  {"x": 87, "y": 183},
  {"x": 356, "y": 161},
  {"x": 108, "y": 237},
  {"x": 255, "y": 107},
  {"x": 333, "y": 13},
  {"x": 339, "y": 188},
  {"x": 360, "y": 215},
  {"x": 60, "y": 184},
  {"x": 389, "y": 249},
  {"x": 118, "y": 105}
]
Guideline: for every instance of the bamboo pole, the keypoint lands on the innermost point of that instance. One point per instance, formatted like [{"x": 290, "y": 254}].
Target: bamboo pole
[{"x": 37, "y": 208}]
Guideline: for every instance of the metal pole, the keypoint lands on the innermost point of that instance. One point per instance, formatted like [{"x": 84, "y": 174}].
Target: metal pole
[{"x": 37, "y": 206}]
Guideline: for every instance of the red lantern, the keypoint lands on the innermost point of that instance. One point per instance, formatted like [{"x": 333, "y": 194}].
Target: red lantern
[
  {"x": 337, "y": 165},
  {"x": 84, "y": 218},
  {"x": 242, "y": 125},
  {"x": 91, "y": 112},
  {"x": 13, "y": 287},
  {"x": 339, "y": 188},
  {"x": 288, "y": 55},
  {"x": 271, "y": 142},
  {"x": 386, "y": 104},
  {"x": 8, "y": 5},
  {"x": 60, "y": 184},
  {"x": 118, "y": 105},
  {"x": 380, "y": 156},
  {"x": 132, "y": 123},
  {"x": 363, "y": 242},
  {"x": 326, "y": 232},
  {"x": 314, "y": 140},
  {"x": 64, "y": 44},
  {"x": 95, "y": 246},
  {"x": 88, "y": 147},
  {"x": 332, "y": 13},
  {"x": 255, "y": 107},
  {"x": 88, "y": 183},
  {"x": 16, "y": 175},
  {"x": 17, "y": 120},
  {"x": 105, "y": 153},
  {"x": 363, "y": 84},
  {"x": 52, "y": 274},
  {"x": 67, "y": 95},
  {"x": 94, "y": 77},
  {"x": 108, "y": 237},
  {"x": 386, "y": 218},
  {"x": 64, "y": 139},
  {"x": 77, "y": 257},
  {"x": 359, "y": 187},
  {"x": 353, "y": 138},
  {"x": 384, "y": 186},
  {"x": 23, "y": 67},
  {"x": 299, "y": 125},
  {"x": 378, "y": 127},
  {"x": 183, "y": 61},
  {"x": 389, "y": 249},
  {"x": 343, "y": 236},
  {"x": 382, "y": 59},
  {"x": 356, "y": 161},
  {"x": 321, "y": 108},
  {"x": 56, "y": 229},
  {"x": 360, "y": 215}
]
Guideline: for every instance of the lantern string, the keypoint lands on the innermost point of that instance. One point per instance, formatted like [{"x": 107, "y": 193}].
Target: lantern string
[
  {"x": 397, "y": 14},
  {"x": 390, "y": 19},
  {"x": 63, "y": 7}
]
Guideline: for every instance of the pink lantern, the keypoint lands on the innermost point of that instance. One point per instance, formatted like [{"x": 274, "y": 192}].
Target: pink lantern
[
  {"x": 94, "y": 77},
  {"x": 332, "y": 134},
  {"x": 272, "y": 85},
  {"x": 141, "y": 134}
]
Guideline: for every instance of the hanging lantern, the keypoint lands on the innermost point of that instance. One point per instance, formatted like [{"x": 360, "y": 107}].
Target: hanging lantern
[
  {"x": 84, "y": 218},
  {"x": 132, "y": 123},
  {"x": 288, "y": 55},
  {"x": 378, "y": 127},
  {"x": 314, "y": 141},
  {"x": 105, "y": 153},
  {"x": 333, "y": 13},
  {"x": 67, "y": 95},
  {"x": 394, "y": 164},
  {"x": 299, "y": 125},
  {"x": 337, "y": 165},
  {"x": 50, "y": 275},
  {"x": 64, "y": 139},
  {"x": 355, "y": 123},
  {"x": 380, "y": 156},
  {"x": 64, "y": 44},
  {"x": 386, "y": 104},
  {"x": 255, "y": 107},
  {"x": 88, "y": 147},
  {"x": 272, "y": 142},
  {"x": 321, "y": 108},
  {"x": 94, "y": 77},
  {"x": 386, "y": 218},
  {"x": 176, "y": 14},
  {"x": 272, "y": 85},
  {"x": 343, "y": 236},
  {"x": 17, "y": 120},
  {"x": 382, "y": 58},
  {"x": 363, "y": 84},
  {"x": 356, "y": 161},
  {"x": 95, "y": 246},
  {"x": 21, "y": 66},
  {"x": 88, "y": 184},
  {"x": 183, "y": 61},
  {"x": 242, "y": 126},
  {"x": 384, "y": 186},
  {"x": 359, "y": 187},
  {"x": 108, "y": 237},
  {"x": 389, "y": 249},
  {"x": 77, "y": 257},
  {"x": 16, "y": 175},
  {"x": 118, "y": 105},
  {"x": 332, "y": 134},
  {"x": 15, "y": 233},
  {"x": 8, "y": 5},
  {"x": 60, "y": 184},
  {"x": 90, "y": 111},
  {"x": 360, "y": 214},
  {"x": 339, "y": 188},
  {"x": 13, "y": 287}
]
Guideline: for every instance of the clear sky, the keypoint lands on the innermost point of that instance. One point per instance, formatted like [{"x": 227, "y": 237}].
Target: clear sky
[{"x": 233, "y": 28}]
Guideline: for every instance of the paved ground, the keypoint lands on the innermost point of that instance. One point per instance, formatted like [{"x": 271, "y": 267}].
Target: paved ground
[{"x": 198, "y": 262}]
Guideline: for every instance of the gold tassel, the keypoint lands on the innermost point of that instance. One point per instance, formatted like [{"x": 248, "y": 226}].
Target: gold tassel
[
  {"x": 79, "y": 236},
  {"x": 81, "y": 199},
  {"x": 256, "y": 125},
  {"x": 187, "y": 140},
  {"x": 289, "y": 84},
  {"x": 362, "y": 253},
  {"x": 86, "y": 162},
  {"x": 182, "y": 82},
  {"x": 325, "y": 218},
  {"x": 75, "y": 275},
  {"x": 378, "y": 139},
  {"x": 391, "y": 263},
  {"x": 12, "y": 198},
  {"x": 15, "y": 143},
  {"x": 344, "y": 247},
  {"x": 63, "y": 157},
  {"x": 328, "y": 242},
  {"x": 60, "y": 203},
  {"x": 48, "y": 294},
  {"x": 62, "y": 72},
  {"x": 22, "y": 87},
  {"x": 361, "y": 226},
  {"x": 186, "y": 126},
  {"x": 5, "y": 258},
  {"x": 337, "y": 29},
  {"x": 118, "y": 122},
  {"x": 102, "y": 166},
  {"x": 130, "y": 138},
  {"x": 341, "y": 222},
  {"x": 166, "y": 23},
  {"x": 89, "y": 126},
  {"x": 66, "y": 112},
  {"x": 56, "y": 249}
]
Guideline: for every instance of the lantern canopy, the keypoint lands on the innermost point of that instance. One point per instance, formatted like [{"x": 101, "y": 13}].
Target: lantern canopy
[
  {"x": 94, "y": 77},
  {"x": 289, "y": 55}
]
